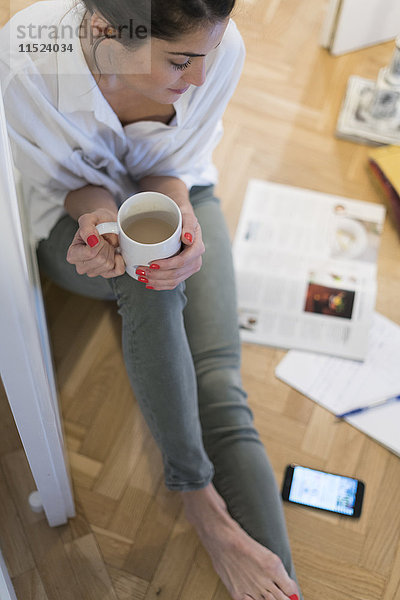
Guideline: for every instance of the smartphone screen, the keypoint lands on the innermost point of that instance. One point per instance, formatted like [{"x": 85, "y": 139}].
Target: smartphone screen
[{"x": 319, "y": 489}]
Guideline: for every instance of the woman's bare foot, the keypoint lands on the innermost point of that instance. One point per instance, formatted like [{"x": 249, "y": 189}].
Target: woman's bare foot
[{"x": 248, "y": 569}]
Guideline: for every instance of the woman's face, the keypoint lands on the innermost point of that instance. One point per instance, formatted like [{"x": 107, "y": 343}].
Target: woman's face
[{"x": 175, "y": 66}]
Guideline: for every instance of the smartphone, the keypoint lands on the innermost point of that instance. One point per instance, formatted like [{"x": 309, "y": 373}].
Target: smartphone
[{"x": 327, "y": 491}]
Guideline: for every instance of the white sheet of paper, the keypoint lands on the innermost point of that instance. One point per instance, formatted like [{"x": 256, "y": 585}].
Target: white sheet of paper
[
  {"x": 382, "y": 424},
  {"x": 341, "y": 384}
]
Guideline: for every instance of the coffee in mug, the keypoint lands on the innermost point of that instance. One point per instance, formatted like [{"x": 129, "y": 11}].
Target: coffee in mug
[{"x": 149, "y": 228}]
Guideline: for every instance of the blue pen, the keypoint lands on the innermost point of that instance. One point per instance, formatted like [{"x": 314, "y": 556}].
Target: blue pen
[{"x": 361, "y": 409}]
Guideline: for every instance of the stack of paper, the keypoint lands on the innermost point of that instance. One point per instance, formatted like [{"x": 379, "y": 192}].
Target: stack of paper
[{"x": 341, "y": 385}]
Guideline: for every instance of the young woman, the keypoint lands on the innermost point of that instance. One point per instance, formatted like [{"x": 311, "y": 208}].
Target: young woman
[{"x": 131, "y": 99}]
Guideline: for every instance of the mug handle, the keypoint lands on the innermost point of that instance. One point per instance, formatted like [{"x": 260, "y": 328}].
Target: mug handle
[
  {"x": 112, "y": 227},
  {"x": 109, "y": 227}
]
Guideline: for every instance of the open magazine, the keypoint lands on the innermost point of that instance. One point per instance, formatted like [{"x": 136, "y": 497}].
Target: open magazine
[{"x": 306, "y": 269}]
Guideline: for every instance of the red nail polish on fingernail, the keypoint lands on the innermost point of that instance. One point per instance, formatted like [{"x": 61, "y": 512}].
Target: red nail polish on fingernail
[
  {"x": 188, "y": 236},
  {"x": 92, "y": 240},
  {"x": 294, "y": 597},
  {"x": 143, "y": 279},
  {"x": 149, "y": 287},
  {"x": 154, "y": 266},
  {"x": 140, "y": 272}
]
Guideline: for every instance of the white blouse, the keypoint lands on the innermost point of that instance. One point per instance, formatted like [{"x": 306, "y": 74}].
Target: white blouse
[{"x": 65, "y": 135}]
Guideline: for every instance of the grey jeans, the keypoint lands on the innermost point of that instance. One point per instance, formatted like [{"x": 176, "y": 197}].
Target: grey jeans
[{"x": 182, "y": 354}]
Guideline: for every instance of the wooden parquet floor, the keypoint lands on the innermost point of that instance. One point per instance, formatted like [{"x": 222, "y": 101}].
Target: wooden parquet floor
[{"x": 130, "y": 539}]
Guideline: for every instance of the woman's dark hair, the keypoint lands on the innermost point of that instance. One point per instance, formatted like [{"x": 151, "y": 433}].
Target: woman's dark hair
[{"x": 167, "y": 19}]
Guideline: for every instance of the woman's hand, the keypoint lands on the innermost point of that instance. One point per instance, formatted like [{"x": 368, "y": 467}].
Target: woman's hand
[
  {"x": 92, "y": 254},
  {"x": 167, "y": 273}
]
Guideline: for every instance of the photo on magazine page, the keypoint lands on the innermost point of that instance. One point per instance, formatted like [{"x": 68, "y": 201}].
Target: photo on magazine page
[
  {"x": 354, "y": 236},
  {"x": 328, "y": 301}
]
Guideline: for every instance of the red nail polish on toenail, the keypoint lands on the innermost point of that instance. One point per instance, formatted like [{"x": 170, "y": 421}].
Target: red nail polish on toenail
[{"x": 294, "y": 597}]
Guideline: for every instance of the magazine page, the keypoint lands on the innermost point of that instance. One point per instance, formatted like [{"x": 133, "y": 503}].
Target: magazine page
[{"x": 306, "y": 269}]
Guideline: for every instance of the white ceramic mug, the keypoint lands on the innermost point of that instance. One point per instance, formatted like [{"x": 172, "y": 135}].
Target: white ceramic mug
[{"x": 136, "y": 253}]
